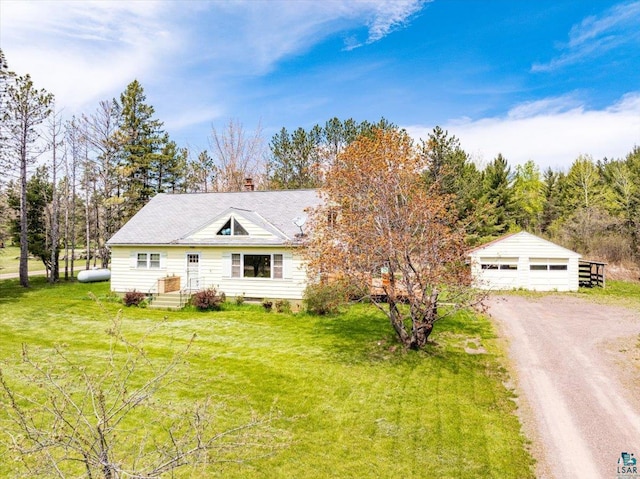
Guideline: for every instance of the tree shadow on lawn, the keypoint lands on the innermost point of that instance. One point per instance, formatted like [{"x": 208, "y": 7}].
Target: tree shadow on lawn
[
  {"x": 10, "y": 289},
  {"x": 363, "y": 335}
]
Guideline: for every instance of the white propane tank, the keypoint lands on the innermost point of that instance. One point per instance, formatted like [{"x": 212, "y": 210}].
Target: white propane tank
[{"x": 94, "y": 275}]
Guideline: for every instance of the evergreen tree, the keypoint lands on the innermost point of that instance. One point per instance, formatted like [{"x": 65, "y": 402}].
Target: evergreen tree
[
  {"x": 295, "y": 160},
  {"x": 451, "y": 170},
  {"x": 171, "y": 173},
  {"x": 497, "y": 198},
  {"x": 25, "y": 108},
  {"x": 551, "y": 190},
  {"x": 142, "y": 140},
  {"x": 200, "y": 173},
  {"x": 39, "y": 195},
  {"x": 302, "y": 158}
]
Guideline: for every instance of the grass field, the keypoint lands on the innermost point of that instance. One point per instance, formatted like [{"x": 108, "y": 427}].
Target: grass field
[
  {"x": 351, "y": 404},
  {"x": 623, "y": 293},
  {"x": 10, "y": 261}
]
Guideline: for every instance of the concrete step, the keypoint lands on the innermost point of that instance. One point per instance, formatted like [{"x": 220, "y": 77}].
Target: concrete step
[{"x": 168, "y": 301}]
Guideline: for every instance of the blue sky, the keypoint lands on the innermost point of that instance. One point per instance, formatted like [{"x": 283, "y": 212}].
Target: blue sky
[{"x": 542, "y": 80}]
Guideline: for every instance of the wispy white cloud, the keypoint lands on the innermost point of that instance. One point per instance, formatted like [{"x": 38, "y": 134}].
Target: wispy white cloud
[
  {"x": 80, "y": 51},
  {"x": 617, "y": 26},
  {"x": 258, "y": 34},
  {"x": 551, "y": 136},
  {"x": 84, "y": 52},
  {"x": 386, "y": 17},
  {"x": 546, "y": 106}
]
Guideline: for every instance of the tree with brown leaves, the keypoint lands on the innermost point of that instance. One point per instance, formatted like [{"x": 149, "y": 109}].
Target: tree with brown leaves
[{"x": 389, "y": 236}]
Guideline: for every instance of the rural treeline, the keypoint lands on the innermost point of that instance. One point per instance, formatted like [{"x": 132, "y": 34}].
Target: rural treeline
[{"x": 68, "y": 185}]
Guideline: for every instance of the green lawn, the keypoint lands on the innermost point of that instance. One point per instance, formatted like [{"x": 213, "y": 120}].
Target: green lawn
[
  {"x": 10, "y": 261},
  {"x": 351, "y": 403},
  {"x": 622, "y": 293}
]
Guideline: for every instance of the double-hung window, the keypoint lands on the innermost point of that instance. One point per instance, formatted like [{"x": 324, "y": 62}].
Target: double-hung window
[
  {"x": 257, "y": 266},
  {"x": 148, "y": 261}
]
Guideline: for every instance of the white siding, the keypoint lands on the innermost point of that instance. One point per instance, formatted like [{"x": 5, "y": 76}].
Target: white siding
[
  {"x": 498, "y": 273},
  {"x": 212, "y": 271},
  {"x": 125, "y": 276},
  {"x": 291, "y": 286},
  {"x": 528, "y": 249}
]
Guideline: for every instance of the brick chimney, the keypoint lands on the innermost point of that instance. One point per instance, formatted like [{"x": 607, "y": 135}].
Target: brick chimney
[{"x": 248, "y": 184}]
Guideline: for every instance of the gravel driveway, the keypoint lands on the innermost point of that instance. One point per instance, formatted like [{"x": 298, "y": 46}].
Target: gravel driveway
[{"x": 578, "y": 377}]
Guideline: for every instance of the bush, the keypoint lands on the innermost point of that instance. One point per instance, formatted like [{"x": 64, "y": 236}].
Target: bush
[
  {"x": 283, "y": 306},
  {"x": 240, "y": 299},
  {"x": 208, "y": 299},
  {"x": 267, "y": 304},
  {"x": 325, "y": 298},
  {"x": 134, "y": 298}
]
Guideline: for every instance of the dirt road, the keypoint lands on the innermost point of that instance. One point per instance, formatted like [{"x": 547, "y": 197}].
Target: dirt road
[
  {"x": 578, "y": 378},
  {"x": 17, "y": 275}
]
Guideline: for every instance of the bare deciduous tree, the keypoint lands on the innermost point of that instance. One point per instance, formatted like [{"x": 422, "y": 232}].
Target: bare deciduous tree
[
  {"x": 101, "y": 132},
  {"x": 237, "y": 155},
  {"x": 74, "y": 144},
  {"x": 55, "y": 139}
]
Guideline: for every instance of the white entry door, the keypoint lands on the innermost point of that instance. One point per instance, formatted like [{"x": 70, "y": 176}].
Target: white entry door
[{"x": 193, "y": 271}]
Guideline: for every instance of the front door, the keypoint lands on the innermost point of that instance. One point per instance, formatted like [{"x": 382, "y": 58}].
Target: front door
[{"x": 193, "y": 271}]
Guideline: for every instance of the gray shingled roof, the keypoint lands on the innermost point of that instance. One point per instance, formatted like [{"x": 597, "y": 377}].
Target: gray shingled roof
[{"x": 169, "y": 218}]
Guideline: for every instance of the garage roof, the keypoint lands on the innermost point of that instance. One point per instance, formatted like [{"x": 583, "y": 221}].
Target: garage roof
[{"x": 523, "y": 244}]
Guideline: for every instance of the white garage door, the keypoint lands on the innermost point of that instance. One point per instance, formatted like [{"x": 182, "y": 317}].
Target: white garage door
[
  {"x": 498, "y": 273},
  {"x": 548, "y": 274}
]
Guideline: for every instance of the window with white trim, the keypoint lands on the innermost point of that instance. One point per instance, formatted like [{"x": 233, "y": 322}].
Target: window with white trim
[
  {"x": 148, "y": 260},
  {"x": 257, "y": 266},
  {"x": 499, "y": 263},
  {"x": 547, "y": 264}
]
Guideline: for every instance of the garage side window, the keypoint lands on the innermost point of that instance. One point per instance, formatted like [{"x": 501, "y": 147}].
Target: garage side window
[
  {"x": 490, "y": 266},
  {"x": 557, "y": 267},
  {"x": 499, "y": 263},
  {"x": 547, "y": 264}
]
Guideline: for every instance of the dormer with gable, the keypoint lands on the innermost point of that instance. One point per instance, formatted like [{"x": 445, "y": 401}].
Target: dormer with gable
[{"x": 236, "y": 226}]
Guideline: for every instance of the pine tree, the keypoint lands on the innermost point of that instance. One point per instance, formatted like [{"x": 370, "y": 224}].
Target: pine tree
[
  {"x": 497, "y": 197},
  {"x": 24, "y": 110},
  {"x": 142, "y": 140}
]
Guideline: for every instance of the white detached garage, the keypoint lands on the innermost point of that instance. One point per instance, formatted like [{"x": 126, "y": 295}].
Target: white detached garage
[{"x": 523, "y": 260}]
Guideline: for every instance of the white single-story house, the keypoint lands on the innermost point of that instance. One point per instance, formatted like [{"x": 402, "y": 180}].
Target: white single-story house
[
  {"x": 241, "y": 243},
  {"x": 524, "y": 261}
]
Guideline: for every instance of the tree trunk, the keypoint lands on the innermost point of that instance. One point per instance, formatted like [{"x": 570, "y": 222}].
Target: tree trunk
[
  {"x": 420, "y": 334},
  {"x": 55, "y": 274},
  {"x": 73, "y": 215},
  {"x": 88, "y": 227},
  {"x": 395, "y": 317},
  {"x": 66, "y": 235},
  {"x": 422, "y": 326},
  {"x": 24, "y": 244}
]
